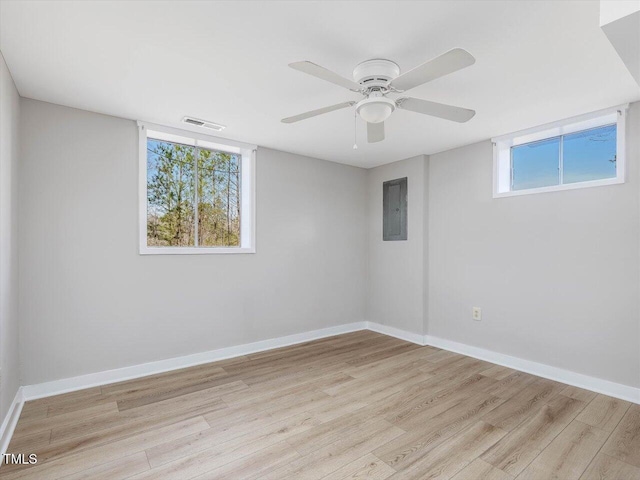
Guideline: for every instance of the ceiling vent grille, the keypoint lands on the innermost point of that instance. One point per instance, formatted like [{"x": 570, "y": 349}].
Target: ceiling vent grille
[{"x": 204, "y": 124}]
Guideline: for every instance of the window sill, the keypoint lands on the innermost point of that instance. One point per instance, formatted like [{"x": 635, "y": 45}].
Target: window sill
[
  {"x": 195, "y": 250},
  {"x": 559, "y": 188}
]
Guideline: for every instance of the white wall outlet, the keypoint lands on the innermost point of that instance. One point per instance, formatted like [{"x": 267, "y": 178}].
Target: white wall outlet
[{"x": 476, "y": 313}]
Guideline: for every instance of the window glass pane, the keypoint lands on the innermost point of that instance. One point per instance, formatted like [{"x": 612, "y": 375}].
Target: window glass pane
[
  {"x": 536, "y": 164},
  {"x": 170, "y": 194},
  {"x": 589, "y": 155},
  {"x": 218, "y": 199}
]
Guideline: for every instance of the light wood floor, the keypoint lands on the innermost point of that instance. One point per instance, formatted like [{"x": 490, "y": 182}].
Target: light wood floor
[{"x": 360, "y": 405}]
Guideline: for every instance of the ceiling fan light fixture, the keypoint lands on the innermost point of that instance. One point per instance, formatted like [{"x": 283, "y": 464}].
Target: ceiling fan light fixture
[
  {"x": 376, "y": 78},
  {"x": 375, "y": 109}
]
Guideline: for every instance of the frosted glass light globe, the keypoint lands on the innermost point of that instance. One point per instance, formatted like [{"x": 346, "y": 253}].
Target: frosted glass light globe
[
  {"x": 375, "y": 109},
  {"x": 375, "y": 112}
]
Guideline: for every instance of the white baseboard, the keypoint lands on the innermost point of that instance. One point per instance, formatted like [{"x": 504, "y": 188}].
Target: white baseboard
[
  {"x": 599, "y": 385},
  {"x": 65, "y": 385},
  {"x": 32, "y": 392},
  {"x": 396, "y": 332},
  {"x": 10, "y": 421}
]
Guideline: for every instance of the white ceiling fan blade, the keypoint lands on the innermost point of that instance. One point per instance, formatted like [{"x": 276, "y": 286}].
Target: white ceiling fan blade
[
  {"x": 375, "y": 132},
  {"x": 448, "y": 62},
  {"x": 448, "y": 112},
  {"x": 324, "y": 74},
  {"x": 319, "y": 111}
]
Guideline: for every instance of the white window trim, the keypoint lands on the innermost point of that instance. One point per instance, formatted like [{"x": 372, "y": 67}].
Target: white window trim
[
  {"x": 502, "y": 150},
  {"x": 248, "y": 189}
]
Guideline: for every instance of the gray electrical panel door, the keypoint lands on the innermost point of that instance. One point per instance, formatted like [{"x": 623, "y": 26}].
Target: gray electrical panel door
[{"x": 394, "y": 209}]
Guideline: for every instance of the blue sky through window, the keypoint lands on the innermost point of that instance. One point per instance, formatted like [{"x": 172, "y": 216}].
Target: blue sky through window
[
  {"x": 587, "y": 155},
  {"x": 590, "y": 155},
  {"x": 536, "y": 164}
]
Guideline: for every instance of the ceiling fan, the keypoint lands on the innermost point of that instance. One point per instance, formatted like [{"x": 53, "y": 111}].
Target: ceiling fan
[{"x": 376, "y": 79}]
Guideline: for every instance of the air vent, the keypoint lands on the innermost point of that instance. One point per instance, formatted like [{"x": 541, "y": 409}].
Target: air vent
[
  {"x": 193, "y": 122},
  {"x": 203, "y": 123}
]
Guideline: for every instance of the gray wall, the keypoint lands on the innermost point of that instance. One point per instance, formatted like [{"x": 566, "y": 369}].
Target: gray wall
[
  {"x": 395, "y": 280},
  {"x": 89, "y": 302},
  {"x": 556, "y": 274},
  {"x": 9, "y": 121}
]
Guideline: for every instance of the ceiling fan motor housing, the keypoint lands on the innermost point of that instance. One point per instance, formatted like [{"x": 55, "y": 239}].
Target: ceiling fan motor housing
[{"x": 375, "y": 73}]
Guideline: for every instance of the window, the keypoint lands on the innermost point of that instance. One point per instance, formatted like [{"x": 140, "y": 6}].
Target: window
[
  {"x": 585, "y": 151},
  {"x": 196, "y": 193}
]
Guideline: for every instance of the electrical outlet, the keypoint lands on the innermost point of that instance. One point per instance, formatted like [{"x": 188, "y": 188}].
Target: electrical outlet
[{"x": 476, "y": 313}]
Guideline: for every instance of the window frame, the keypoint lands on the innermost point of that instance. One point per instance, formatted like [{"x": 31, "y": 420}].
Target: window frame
[
  {"x": 502, "y": 158},
  {"x": 247, "y": 187}
]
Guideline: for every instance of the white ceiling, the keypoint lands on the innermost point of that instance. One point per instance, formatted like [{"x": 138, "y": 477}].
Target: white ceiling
[{"x": 227, "y": 62}]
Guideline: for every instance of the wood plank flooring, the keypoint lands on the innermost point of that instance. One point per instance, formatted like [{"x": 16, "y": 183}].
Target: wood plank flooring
[{"x": 354, "y": 406}]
